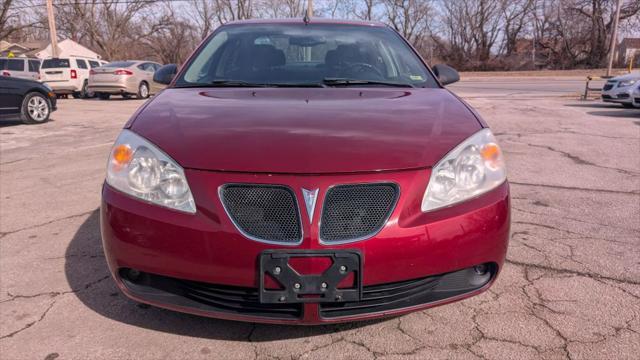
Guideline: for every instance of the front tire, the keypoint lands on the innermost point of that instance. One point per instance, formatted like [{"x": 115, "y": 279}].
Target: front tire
[
  {"x": 143, "y": 91},
  {"x": 103, "y": 96},
  {"x": 36, "y": 109}
]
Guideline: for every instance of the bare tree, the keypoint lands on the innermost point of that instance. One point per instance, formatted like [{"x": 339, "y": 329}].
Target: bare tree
[
  {"x": 13, "y": 19},
  {"x": 409, "y": 17},
  {"x": 173, "y": 43},
  {"x": 515, "y": 14},
  {"x": 600, "y": 14}
]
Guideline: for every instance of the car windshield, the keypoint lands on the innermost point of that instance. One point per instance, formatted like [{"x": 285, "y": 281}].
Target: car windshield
[
  {"x": 305, "y": 55},
  {"x": 119, "y": 64},
  {"x": 55, "y": 63}
]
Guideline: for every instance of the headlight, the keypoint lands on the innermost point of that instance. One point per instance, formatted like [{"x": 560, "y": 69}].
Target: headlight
[
  {"x": 138, "y": 168},
  {"x": 625, "y": 83},
  {"x": 470, "y": 169}
]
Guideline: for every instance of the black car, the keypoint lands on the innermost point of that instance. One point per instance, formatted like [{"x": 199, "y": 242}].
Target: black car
[{"x": 26, "y": 100}]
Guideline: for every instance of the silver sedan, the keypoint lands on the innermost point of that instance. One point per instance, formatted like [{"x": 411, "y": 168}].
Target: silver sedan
[
  {"x": 125, "y": 78},
  {"x": 619, "y": 89}
]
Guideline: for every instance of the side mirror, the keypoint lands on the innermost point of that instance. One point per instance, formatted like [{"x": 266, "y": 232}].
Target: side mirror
[
  {"x": 165, "y": 74},
  {"x": 446, "y": 74}
]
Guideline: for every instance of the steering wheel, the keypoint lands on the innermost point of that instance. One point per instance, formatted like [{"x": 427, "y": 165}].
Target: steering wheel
[{"x": 364, "y": 67}]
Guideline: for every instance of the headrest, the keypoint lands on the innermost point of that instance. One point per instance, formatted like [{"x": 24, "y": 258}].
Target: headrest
[{"x": 266, "y": 56}]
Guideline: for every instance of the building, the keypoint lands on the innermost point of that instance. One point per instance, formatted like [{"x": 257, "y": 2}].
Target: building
[
  {"x": 42, "y": 49},
  {"x": 25, "y": 49},
  {"x": 629, "y": 50}
]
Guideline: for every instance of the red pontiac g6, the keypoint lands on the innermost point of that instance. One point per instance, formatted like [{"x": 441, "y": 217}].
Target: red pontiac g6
[{"x": 305, "y": 172}]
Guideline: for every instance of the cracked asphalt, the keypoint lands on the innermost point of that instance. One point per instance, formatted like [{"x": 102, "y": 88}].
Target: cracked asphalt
[{"x": 570, "y": 288}]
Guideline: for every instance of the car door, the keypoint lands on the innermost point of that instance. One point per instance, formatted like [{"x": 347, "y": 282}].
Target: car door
[
  {"x": 11, "y": 94},
  {"x": 146, "y": 73},
  {"x": 17, "y": 68},
  {"x": 83, "y": 69},
  {"x": 34, "y": 69},
  {"x": 154, "y": 86}
]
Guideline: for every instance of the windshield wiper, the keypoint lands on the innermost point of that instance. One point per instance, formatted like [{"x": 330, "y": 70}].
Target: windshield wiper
[
  {"x": 235, "y": 83},
  {"x": 349, "y": 82}
]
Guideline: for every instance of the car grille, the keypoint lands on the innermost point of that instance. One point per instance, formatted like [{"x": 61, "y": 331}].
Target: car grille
[
  {"x": 608, "y": 86},
  {"x": 623, "y": 96},
  {"x": 398, "y": 295},
  {"x": 356, "y": 212},
  {"x": 263, "y": 212},
  {"x": 208, "y": 297}
]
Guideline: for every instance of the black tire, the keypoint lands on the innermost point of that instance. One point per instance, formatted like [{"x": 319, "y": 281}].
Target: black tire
[
  {"x": 103, "y": 96},
  {"x": 143, "y": 90},
  {"x": 36, "y": 109},
  {"x": 126, "y": 96},
  {"x": 77, "y": 95},
  {"x": 85, "y": 91}
]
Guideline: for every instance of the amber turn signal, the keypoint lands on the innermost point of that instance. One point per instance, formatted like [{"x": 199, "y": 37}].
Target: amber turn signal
[
  {"x": 122, "y": 154},
  {"x": 490, "y": 153}
]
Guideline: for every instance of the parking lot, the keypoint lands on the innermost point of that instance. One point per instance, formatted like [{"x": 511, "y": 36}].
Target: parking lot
[{"x": 570, "y": 287}]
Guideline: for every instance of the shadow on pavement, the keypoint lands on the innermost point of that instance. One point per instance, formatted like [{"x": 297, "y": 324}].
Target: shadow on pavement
[
  {"x": 88, "y": 275},
  {"x": 7, "y": 123},
  {"x": 610, "y": 110}
]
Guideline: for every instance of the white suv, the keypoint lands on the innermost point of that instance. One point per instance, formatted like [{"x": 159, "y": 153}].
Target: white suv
[
  {"x": 23, "y": 68},
  {"x": 67, "y": 75}
]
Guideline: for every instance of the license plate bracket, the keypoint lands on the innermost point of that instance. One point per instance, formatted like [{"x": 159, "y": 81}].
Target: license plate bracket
[{"x": 310, "y": 288}]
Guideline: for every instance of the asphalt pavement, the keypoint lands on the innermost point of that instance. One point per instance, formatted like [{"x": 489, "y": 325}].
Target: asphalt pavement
[
  {"x": 518, "y": 87},
  {"x": 570, "y": 288}
]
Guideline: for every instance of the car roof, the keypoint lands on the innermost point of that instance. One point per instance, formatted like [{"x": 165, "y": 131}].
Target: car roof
[{"x": 314, "y": 20}]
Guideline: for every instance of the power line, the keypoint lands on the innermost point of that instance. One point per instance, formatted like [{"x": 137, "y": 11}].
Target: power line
[{"x": 102, "y": 2}]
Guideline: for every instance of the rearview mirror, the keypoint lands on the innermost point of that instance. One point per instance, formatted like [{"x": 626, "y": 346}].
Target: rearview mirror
[
  {"x": 165, "y": 74},
  {"x": 446, "y": 74}
]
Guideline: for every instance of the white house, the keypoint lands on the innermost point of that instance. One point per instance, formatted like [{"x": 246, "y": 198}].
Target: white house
[{"x": 68, "y": 48}]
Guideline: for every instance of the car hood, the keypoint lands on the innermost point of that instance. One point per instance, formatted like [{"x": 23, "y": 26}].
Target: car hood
[{"x": 305, "y": 130}]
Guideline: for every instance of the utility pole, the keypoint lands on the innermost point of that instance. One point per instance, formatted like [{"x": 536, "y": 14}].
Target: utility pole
[
  {"x": 52, "y": 29},
  {"x": 533, "y": 51},
  {"x": 310, "y": 9},
  {"x": 614, "y": 37}
]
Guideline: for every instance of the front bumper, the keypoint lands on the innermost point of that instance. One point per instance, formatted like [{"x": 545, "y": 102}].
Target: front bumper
[
  {"x": 430, "y": 254},
  {"x": 618, "y": 95}
]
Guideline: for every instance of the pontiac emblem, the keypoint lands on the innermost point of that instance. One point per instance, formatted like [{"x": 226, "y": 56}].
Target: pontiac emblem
[{"x": 310, "y": 197}]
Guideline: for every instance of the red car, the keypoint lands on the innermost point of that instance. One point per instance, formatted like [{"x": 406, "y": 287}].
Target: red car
[{"x": 305, "y": 172}]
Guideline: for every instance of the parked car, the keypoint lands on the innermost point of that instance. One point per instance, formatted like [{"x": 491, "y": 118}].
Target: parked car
[
  {"x": 305, "y": 172},
  {"x": 66, "y": 75},
  {"x": 618, "y": 89},
  {"x": 23, "y": 68},
  {"x": 25, "y": 100},
  {"x": 97, "y": 63},
  {"x": 636, "y": 96},
  {"x": 124, "y": 78},
  {"x": 93, "y": 64}
]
